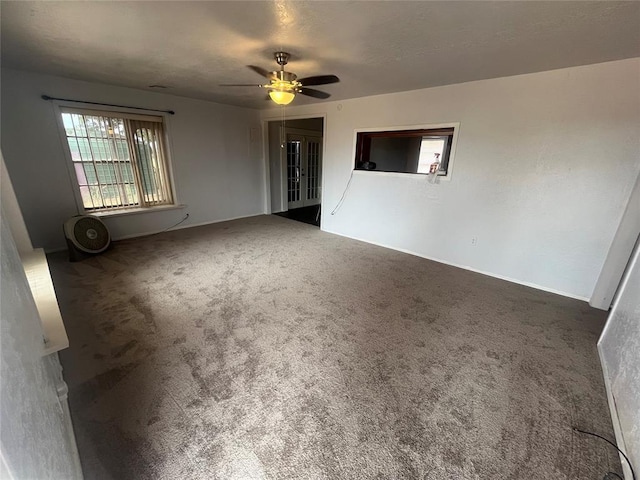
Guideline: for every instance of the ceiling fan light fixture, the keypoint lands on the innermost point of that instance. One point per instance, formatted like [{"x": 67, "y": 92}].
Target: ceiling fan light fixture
[
  {"x": 283, "y": 86},
  {"x": 282, "y": 97}
]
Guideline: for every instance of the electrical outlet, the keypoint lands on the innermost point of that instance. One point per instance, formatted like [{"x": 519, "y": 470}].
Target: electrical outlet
[{"x": 474, "y": 241}]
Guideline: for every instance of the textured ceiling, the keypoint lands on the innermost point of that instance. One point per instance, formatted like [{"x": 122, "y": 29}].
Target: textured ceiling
[{"x": 374, "y": 47}]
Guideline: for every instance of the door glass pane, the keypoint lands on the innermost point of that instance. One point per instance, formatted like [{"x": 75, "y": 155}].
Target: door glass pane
[
  {"x": 313, "y": 170},
  {"x": 293, "y": 170}
]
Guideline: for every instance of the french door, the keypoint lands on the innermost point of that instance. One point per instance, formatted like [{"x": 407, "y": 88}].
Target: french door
[{"x": 303, "y": 157}]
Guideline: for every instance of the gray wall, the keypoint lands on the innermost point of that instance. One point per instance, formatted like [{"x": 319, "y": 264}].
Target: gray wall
[
  {"x": 216, "y": 156},
  {"x": 395, "y": 154},
  {"x": 314, "y": 124},
  {"x": 36, "y": 439},
  {"x": 620, "y": 353}
]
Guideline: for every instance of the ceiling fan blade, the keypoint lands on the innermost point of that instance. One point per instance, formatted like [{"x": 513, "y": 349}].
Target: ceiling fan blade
[
  {"x": 319, "y": 80},
  {"x": 239, "y": 85},
  {"x": 310, "y": 92},
  {"x": 261, "y": 71}
]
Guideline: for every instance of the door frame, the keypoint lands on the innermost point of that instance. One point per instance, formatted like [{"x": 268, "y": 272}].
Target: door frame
[
  {"x": 265, "y": 157},
  {"x": 284, "y": 204}
]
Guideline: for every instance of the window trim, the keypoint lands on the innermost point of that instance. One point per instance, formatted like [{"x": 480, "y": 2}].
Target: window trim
[
  {"x": 118, "y": 112},
  {"x": 401, "y": 128}
]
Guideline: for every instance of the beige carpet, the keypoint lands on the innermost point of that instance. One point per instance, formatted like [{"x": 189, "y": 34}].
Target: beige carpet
[{"x": 265, "y": 348}]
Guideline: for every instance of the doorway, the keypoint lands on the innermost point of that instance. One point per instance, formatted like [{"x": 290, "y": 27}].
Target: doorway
[
  {"x": 303, "y": 160},
  {"x": 295, "y": 158}
]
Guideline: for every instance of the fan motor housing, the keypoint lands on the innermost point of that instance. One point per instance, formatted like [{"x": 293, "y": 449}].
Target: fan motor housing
[
  {"x": 283, "y": 76},
  {"x": 87, "y": 234}
]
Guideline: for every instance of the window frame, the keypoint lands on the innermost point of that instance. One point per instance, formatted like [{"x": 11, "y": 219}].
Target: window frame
[
  {"x": 404, "y": 130},
  {"x": 60, "y": 106}
]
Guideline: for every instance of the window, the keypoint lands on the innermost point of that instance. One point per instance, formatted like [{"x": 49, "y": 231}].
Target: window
[
  {"x": 407, "y": 151},
  {"x": 119, "y": 160}
]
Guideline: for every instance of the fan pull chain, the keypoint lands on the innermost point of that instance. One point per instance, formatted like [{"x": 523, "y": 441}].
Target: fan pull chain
[{"x": 283, "y": 135}]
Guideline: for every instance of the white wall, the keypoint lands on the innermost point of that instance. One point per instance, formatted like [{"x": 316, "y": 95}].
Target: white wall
[
  {"x": 275, "y": 171},
  {"x": 544, "y": 167},
  {"x": 619, "y": 346},
  {"x": 36, "y": 440},
  {"x": 217, "y": 164}
]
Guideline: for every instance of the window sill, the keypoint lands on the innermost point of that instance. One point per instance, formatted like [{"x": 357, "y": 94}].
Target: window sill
[
  {"x": 417, "y": 176},
  {"x": 134, "y": 211}
]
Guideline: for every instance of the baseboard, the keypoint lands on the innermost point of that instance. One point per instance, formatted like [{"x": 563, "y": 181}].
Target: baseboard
[
  {"x": 615, "y": 420},
  {"x": 54, "y": 250},
  {"x": 177, "y": 227},
  {"x": 180, "y": 227},
  {"x": 465, "y": 267}
]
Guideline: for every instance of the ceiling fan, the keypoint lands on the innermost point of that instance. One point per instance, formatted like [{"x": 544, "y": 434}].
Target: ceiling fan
[{"x": 283, "y": 86}]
